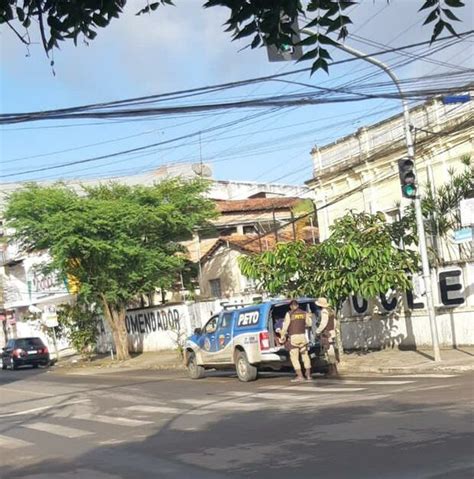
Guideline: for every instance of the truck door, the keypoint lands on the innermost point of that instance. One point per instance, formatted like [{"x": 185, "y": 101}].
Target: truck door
[
  {"x": 224, "y": 336},
  {"x": 207, "y": 341}
]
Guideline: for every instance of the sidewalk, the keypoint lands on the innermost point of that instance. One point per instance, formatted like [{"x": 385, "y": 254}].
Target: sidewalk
[
  {"x": 390, "y": 361},
  {"x": 395, "y": 361},
  {"x": 159, "y": 360}
]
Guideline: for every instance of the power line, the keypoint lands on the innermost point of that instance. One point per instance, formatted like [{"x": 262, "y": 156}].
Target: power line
[
  {"x": 131, "y": 150},
  {"x": 84, "y": 111}
]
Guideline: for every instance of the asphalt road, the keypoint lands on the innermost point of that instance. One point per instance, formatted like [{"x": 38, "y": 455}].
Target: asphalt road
[{"x": 133, "y": 424}]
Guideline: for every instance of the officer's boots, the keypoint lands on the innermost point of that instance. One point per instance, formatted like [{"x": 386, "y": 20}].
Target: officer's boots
[
  {"x": 299, "y": 377},
  {"x": 308, "y": 375}
]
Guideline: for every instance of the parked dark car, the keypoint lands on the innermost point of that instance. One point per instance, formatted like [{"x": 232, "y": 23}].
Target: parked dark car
[{"x": 25, "y": 352}]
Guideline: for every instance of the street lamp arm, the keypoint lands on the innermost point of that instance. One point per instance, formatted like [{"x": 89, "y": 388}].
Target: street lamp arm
[
  {"x": 389, "y": 72},
  {"x": 417, "y": 201}
]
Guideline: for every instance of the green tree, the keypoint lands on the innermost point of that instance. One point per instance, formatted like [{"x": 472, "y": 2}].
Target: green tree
[
  {"x": 115, "y": 241},
  {"x": 78, "y": 322},
  {"x": 281, "y": 270},
  {"x": 359, "y": 258},
  {"x": 265, "y": 21}
]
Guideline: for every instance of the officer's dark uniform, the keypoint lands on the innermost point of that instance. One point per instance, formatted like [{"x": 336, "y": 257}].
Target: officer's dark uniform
[
  {"x": 295, "y": 325},
  {"x": 327, "y": 333}
]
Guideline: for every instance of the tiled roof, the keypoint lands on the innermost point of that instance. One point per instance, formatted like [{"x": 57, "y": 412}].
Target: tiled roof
[
  {"x": 251, "y": 243},
  {"x": 195, "y": 251},
  {"x": 256, "y": 204}
]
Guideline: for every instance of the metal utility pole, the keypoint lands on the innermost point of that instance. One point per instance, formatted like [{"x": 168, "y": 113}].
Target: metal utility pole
[
  {"x": 275, "y": 229},
  {"x": 293, "y": 225},
  {"x": 417, "y": 200}
]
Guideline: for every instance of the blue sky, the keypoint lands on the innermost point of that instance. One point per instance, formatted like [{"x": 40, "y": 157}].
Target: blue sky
[{"x": 185, "y": 47}]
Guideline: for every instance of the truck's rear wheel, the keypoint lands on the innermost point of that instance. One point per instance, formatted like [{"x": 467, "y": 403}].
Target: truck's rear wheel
[
  {"x": 246, "y": 372},
  {"x": 194, "y": 370}
]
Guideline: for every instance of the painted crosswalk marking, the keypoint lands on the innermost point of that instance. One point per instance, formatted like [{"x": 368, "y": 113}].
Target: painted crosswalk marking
[
  {"x": 283, "y": 396},
  {"x": 195, "y": 402},
  {"x": 119, "y": 421},
  {"x": 162, "y": 410},
  {"x": 313, "y": 389},
  {"x": 13, "y": 443},
  {"x": 362, "y": 383},
  {"x": 153, "y": 409},
  {"x": 241, "y": 406},
  {"x": 58, "y": 430},
  {"x": 434, "y": 376},
  {"x": 42, "y": 408}
]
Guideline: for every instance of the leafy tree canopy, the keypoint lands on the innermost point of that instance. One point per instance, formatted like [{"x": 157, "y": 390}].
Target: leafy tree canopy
[
  {"x": 265, "y": 21},
  {"x": 359, "y": 258},
  {"x": 116, "y": 241}
]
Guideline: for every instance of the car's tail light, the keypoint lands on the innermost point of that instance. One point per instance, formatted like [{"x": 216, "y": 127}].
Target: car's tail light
[
  {"x": 18, "y": 353},
  {"x": 264, "y": 340},
  {"x": 44, "y": 350}
]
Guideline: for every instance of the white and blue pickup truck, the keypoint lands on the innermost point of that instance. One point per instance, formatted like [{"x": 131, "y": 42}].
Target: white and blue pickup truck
[{"x": 245, "y": 339}]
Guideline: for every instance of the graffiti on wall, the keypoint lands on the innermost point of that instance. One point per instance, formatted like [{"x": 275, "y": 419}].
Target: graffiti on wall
[{"x": 150, "y": 321}]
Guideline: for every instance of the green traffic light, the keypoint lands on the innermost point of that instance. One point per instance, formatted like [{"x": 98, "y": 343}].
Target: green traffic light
[
  {"x": 286, "y": 48},
  {"x": 409, "y": 191}
]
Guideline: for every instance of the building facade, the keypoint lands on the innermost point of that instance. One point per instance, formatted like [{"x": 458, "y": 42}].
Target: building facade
[
  {"x": 247, "y": 226},
  {"x": 359, "y": 172}
]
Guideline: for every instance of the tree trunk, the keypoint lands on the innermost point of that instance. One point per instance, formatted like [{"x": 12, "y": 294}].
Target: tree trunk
[
  {"x": 339, "y": 348},
  {"x": 115, "y": 317}
]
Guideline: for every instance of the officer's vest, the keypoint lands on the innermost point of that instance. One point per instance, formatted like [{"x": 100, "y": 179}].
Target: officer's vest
[
  {"x": 297, "y": 323},
  {"x": 331, "y": 322}
]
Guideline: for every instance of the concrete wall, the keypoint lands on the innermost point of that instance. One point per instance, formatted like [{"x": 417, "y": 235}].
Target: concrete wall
[
  {"x": 403, "y": 322},
  {"x": 391, "y": 322},
  {"x": 150, "y": 329},
  {"x": 162, "y": 327}
]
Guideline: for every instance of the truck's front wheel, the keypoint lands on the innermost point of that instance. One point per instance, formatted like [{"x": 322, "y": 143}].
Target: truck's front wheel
[
  {"x": 194, "y": 370},
  {"x": 246, "y": 372}
]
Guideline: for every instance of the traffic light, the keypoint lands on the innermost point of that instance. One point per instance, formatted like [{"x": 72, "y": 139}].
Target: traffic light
[
  {"x": 287, "y": 52},
  {"x": 406, "y": 169}
]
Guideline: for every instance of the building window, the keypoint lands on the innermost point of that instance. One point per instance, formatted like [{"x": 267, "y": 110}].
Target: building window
[
  {"x": 248, "y": 230},
  {"x": 215, "y": 285},
  {"x": 268, "y": 226},
  {"x": 227, "y": 231}
]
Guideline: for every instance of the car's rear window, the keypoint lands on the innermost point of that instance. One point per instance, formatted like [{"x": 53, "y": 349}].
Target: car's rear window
[{"x": 29, "y": 342}]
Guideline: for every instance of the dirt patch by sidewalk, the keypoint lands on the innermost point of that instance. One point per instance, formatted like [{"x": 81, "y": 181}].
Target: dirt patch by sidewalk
[{"x": 160, "y": 360}]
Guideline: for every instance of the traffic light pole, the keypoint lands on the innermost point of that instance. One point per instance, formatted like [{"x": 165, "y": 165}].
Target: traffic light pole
[{"x": 419, "y": 215}]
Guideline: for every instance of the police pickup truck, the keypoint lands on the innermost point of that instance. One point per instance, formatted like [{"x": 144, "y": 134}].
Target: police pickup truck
[{"x": 245, "y": 339}]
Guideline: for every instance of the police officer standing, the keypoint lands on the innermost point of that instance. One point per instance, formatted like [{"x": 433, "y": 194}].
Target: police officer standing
[
  {"x": 295, "y": 324},
  {"x": 327, "y": 332}
]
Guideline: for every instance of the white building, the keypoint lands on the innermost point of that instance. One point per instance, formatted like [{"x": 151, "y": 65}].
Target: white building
[{"x": 360, "y": 172}]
